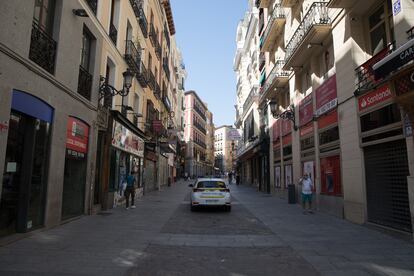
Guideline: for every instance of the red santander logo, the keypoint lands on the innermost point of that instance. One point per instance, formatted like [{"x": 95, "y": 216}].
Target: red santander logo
[{"x": 375, "y": 97}]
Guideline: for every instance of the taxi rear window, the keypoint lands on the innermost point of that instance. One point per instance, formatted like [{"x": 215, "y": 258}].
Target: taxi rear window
[{"x": 211, "y": 184}]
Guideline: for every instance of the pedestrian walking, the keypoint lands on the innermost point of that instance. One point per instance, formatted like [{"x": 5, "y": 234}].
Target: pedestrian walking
[
  {"x": 130, "y": 191},
  {"x": 307, "y": 187},
  {"x": 230, "y": 177},
  {"x": 237, "y": 178}
]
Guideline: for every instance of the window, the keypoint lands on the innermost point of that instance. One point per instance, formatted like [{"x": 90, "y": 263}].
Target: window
[
  {"x": 85, "y": 57},
  {"x": 149, "y": 61},
  {"x": 329, "y": 135},
  {"x": 381, "y": 27},
  {"x": 44, "y": 14},
  {"x": 385, "y": 116}
]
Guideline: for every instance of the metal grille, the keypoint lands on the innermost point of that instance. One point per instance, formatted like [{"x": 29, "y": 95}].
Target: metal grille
[{"x": 386, "y": 168}]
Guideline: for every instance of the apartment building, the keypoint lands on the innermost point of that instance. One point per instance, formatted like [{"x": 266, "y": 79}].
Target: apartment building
[
  {"x": 335, "y": 104},
  {"x": 226, "y": 140},
  {"x": 195, "y": 135},
  {"x": 49, "y": 87},
  {"x": 210, "y": 143},
  {"x": 248, "y": 61}
]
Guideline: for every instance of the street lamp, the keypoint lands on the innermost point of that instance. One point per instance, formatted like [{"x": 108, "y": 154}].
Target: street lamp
[
  {"x": 107, "y": 90},
  {"x": 288, "y": 114}
]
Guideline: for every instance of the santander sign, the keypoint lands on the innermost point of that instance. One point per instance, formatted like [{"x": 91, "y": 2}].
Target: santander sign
[{"x": 375, "y": 97}]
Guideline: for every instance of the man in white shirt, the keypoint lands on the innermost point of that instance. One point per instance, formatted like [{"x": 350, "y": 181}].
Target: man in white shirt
[{"x": 307, "y": 187}]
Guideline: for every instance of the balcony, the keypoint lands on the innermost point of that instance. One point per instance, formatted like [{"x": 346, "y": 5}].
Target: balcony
[
  {"x": 157, "y": 90},
  {"x": 341, "y": 3},
  {"x": 152, "y": 35},
  {"x": 200, "y": 112},
  {"x": 84, "y": 83},
  {"x": 253, "y": 95},
  {"x": 277, "y": 78},
  {"x": 273, "y": 29},
  {"x": 262, "y": 61},
  {"x": 139, "y": 13},
  {"x": 201, "y": 144},
  {"x": 167, "y": 103},
  {"x": 151, "y": 80},
  {"x": 313, "y": 29},
  {"x": 142, "y": 75},
  {"x": 167, "y": 36},
  {"x": 200, "y": 127},
  {"x": 288, "y": 3},
  {"x": 42, "y": 48},
  {"x": 113, "y": 33},
  {"x": 166, "y": 67},
  {"x": 93, "y": 5},
  {"x": 365, "y": 73},
  {"x": 132, "y": 56}
]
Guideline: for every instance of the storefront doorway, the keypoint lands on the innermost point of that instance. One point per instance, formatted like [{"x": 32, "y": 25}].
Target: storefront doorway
[{"x": 23, "y": 197}]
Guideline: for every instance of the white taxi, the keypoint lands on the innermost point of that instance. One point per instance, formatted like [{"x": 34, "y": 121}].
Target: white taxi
[{"x": 210, "y": 192}]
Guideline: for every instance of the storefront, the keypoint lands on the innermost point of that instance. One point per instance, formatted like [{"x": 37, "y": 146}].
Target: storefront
[
  {"x": 386, "y": 161},
  {"x": 277, "y": 157},
  {"x": 287, "y": 153},
  {"x": 23, "y": 197},
  {"x": 307, "y": 139},
  {"x": 127, "y": 157},
  {"x": 74, "y": 183},
  {"x": 331, "y": 195},
  {"x": 150, "y": 172}
]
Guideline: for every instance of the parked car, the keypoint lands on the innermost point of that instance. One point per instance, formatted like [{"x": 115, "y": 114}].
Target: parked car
[{"x": 210, "y": 192}]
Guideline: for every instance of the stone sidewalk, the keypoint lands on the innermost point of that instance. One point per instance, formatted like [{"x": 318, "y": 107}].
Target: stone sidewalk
[{"x": 114, "y": 242}]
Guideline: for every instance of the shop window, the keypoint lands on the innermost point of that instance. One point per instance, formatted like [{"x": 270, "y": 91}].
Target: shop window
[
  {"x": 287, "y": 150},
  {"x": 382, "y": 117},
  {"x": 307, "y": 143},
  {"x": 329, "y": 135},
  {"x": 331, "y": 176}
]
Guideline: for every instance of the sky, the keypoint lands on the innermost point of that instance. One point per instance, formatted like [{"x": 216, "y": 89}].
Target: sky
[{"x": 206, "y": 35}]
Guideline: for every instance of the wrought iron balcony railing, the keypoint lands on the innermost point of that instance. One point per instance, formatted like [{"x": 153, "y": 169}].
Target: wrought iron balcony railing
[
  {"x": 157, "y": 90},
  {"x": 154, "y": 41},
  {"x": 167, "y": 36},
  {"x": 249, "y": 100},
  {"x": 276, "y": 73},
  {"x": 201, "y": 144},
  {"x": 200, "y": 127},
  {"x": 167, "y": 103},
  {"x": 151, "y": 80},
  {"x": 93, "y": 4},
  {"x": 365, "y": 73},
  {"x": 278, "y": 13},
  {"x": 262, "y": 61},
  {"x": 166, "y": 67},
  {"x": 113, "y": 33},
  {"x": 84, "y": 83},
  {"x": 142, "y": 75},
  {"x": 139, "y": 13},
  {"x": 42, "y": 48},
  {"x": 200, "y": 112},
  {"x": 132, "y": 56},
  {"x": 158, "y": 50},
  {"x": 316, "y": 15}
]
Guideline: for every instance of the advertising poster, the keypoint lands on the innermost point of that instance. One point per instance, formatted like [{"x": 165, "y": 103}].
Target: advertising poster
[{"x": 288, "y": 175}]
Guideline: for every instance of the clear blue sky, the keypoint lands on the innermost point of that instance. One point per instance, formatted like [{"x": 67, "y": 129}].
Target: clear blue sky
[{"x": 206, "y": 34}]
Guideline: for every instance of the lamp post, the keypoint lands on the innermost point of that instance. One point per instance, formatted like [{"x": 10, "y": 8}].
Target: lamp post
[
  {"x": 288, "y": 114},
  {"x": 107, "y": 90}
]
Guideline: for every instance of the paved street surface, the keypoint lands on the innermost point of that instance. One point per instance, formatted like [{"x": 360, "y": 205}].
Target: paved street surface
[{"x": 263, "y": 235}]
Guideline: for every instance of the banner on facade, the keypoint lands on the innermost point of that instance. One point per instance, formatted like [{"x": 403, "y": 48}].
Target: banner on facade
[
  {"x": 306, "y": 110},
  {"x": 326, "y": 96},
  {"x": 276, "y": 130},
  {"x": 375, "y": 97},
  {"x": 126, "y": 140},
  {"x": 286, "y": 127},
  {"x": 77, "y": 134}
]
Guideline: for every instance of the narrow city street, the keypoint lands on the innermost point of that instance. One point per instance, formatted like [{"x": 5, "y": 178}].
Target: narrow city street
[{"x": 263, "y": 235}]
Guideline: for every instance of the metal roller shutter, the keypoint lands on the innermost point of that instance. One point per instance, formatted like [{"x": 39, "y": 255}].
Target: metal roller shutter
[{"x": 386, "y": 167}]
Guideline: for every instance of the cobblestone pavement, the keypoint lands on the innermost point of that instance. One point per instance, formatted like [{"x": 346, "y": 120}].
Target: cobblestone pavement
[{"x": 263, "y": 235}]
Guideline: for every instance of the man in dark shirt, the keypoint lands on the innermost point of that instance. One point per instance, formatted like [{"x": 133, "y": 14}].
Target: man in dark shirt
[{"x": 130, "y": 190}]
